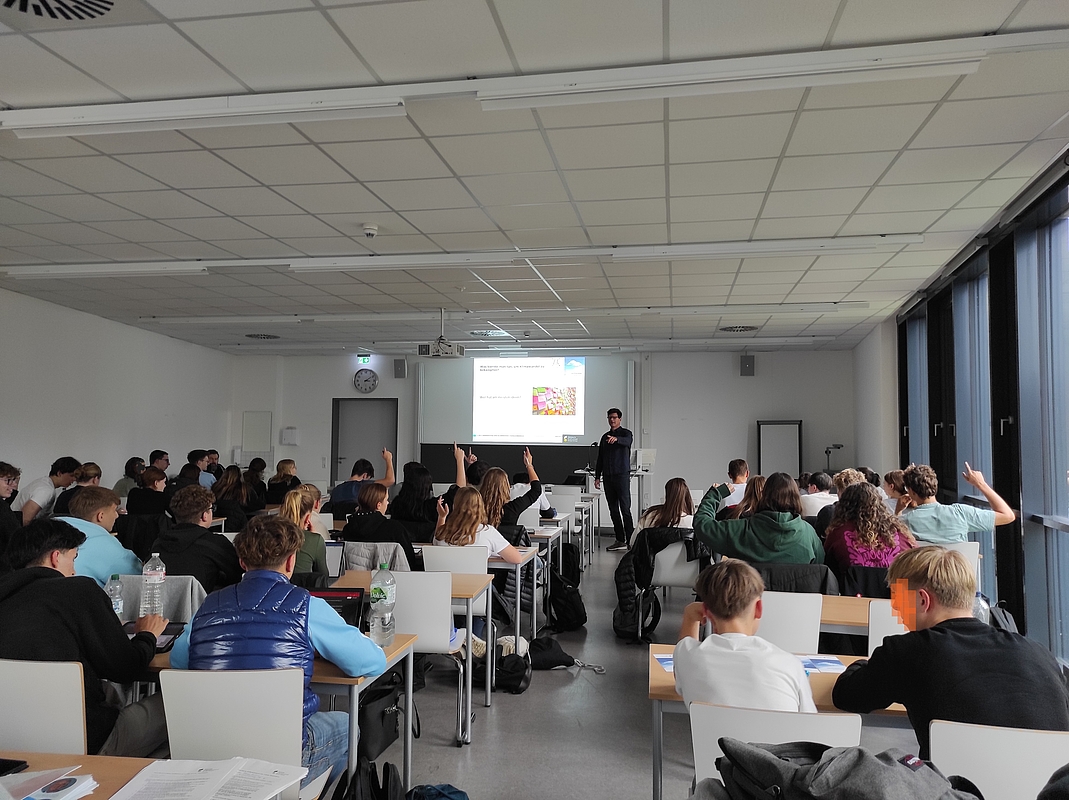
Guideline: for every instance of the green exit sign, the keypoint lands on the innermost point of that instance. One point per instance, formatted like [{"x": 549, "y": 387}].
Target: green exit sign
[{"x": 364, "y": 359}]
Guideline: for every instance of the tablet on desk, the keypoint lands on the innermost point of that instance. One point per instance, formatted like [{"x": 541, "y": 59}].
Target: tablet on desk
[
  {"x": 349, "y": 603},
  {"x": 165, "y": 641}
]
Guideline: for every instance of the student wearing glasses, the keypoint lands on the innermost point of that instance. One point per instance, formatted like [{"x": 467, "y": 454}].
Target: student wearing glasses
[{"x": 192, "y": 548}]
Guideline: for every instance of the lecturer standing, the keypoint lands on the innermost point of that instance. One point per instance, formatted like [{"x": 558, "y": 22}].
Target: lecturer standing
[{"x": 614, "y": 464}]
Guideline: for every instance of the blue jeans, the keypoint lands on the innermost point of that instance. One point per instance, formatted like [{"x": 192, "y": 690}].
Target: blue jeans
[{"x": 326, "y": 745}]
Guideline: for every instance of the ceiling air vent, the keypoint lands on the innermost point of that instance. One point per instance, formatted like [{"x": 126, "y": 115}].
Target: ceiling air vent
[
  {"x": 62, "y": 9},
  {"x": 264, "y": 336},
  {"x": 492, "y": 333},
  {"x": 739, "y": 329}
]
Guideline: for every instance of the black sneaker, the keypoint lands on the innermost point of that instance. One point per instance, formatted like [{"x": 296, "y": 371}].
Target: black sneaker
[{"x": 617, "y": 546}]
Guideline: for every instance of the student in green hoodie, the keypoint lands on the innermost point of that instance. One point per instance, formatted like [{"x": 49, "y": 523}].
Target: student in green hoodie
[{"x": 775, "y": 533}]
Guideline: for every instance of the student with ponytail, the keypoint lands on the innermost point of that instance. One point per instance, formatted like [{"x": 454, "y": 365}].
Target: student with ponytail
[{"x": 297, "y": 507}]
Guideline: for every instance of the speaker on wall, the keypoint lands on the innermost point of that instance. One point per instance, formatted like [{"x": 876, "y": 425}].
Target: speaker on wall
[
  {"x": 400, "y": 368},
  {"x": 746, "y": 366}
]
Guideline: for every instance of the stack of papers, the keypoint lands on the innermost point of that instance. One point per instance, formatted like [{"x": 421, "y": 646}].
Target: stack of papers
[
  {"x": 822, "y": 664},
  {"x": 665, "y": 660},
  {"x": 236, "y": 779},
  {"x": 51, "y": 784}
]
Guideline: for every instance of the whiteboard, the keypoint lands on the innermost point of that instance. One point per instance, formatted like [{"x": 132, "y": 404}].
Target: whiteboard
[{"x": 779, "y": 446}]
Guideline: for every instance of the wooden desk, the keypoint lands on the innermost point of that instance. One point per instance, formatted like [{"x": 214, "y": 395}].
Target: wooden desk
[
  {"x": 467, "y": 588},
  {"x": 220, "y": 521},
  {"x": 338, "y": 524},
  {"x": 845, "y": 615},
  {"x": 662, "y": 690},
  {"x": 111, "y": 772},
  {"x": 499, "y": 563}
]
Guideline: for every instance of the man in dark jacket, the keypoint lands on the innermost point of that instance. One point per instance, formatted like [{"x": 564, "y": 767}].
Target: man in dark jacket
[
  {"x": 48, "y": 614},
  {"x": 952, "y": 666},
  {"x": 192, "y": 548},
  {"x": 614, "y": 468}
]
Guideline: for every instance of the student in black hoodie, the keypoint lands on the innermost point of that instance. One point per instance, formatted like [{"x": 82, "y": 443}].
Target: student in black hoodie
[
  {"x": 191, "y": 548},
  {"x": 49, "y": 614},
  {"x": 369, "y": 524},
  {"x": 9, "y": 520}
]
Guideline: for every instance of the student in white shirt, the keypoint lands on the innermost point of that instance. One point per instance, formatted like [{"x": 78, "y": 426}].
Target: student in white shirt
[
  {"x": 819, "y": 494},
  {"x": 738, "y": 474},
  {"x": 734, "y": 666},
  {"x": 465, "y": 524}
]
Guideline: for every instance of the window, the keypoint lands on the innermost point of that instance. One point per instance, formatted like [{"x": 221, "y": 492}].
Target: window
[{"x": 917, "y": 366}]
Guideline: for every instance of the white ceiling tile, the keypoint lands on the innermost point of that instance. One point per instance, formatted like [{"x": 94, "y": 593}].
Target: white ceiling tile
[
  {"x": 1006, "y": 119},
  {"x": 1010, "y": 74},
  {"x": 325, "y": 246},
  {"x": 428, "y": 49},
  {"x": 123, "y": 251},
  {"x": 196, "y": 169},
  {"x": 1041, "y": 14},
  {"x": 165, "y": 204},
  {"x": 900, "y": 222},
  {"x": 716, "y": 207},
  {"x": 1032, "y": 160},
  {"x": 245, "y": 201},
  {"x": 722, "y": 177},
  {"x": 359, "y": 130},
  {"x": 186, "y": 9},
  {"x": 68, "y": 233},
  {"x": 879, "y": 93},
  {"x": 454, "y": 220},
  {"x": 545, "y": 215},
  {"x": 732, "y": 231},
  {"x": 495, "y": 153},
  {"x": 57, "y": 253},
  {"x": 866, "y": 261},
  {"x": 745, "y": 278},
  {"x": 735, "y": 104},
  {"x": 917, "y": 197},
  {"x": 402, "y": 244},
  {"x": 280, "y": 166},
  {"x": 856, "y": 130},
  {"x": 257, "y": 248},
  {"x": 612, "y": 184},
  {"x": 728, "y": 138},
  {"x": 189, "y": 250},
  {"x": 871, "y": 21},
  {"x": 594, "y": 36},
  {"x": 826, "y": 172},
  {"x": 276, "y": 52},
  {"x": 549, "y": 237},
  {"x": 614, "y": 146},
  {"x": 628, "y": 234},
  {"x": 700, "y": 29},
  {"x": 602, "y": 114},
  {"x": 714, "y": 279},
  {"x": 459, "y": 242},
  {"x": 802, "y": 203},
  {"x": 623, "y": 212},
  {"x": 377, "y": 161},
  {"x": 175, "y": 65},
  {"x": 14, "y": 237},
  {"x": 946, "y": 165},
  {"x": 245, "y": 136},
  {"x": 141, "y": 230},
  {"x": 13, "y": 212},
  {"x": 450, "y": 116},
  {"x": 15, "y": 148},
  {"x": 931, "y": 259},
  {"x": 90, "y": 174},
  {"x": 291, "y": 226},
  {"x": 521, "y": 187},
  {"x": 44, "y": 79},
  {"x": 798, "y": 227},
  {"x": 718, "y": 266},
  {"x": 964, "y": 219},
  {"x": 994, "y": 193},
  {"x": 777, "y": 264},
  {"x": 146, "y": 142},
  {"x": 389, "y": 224},
  {"x": 330, "y": 198},
  {"x": 423, "y": 194},
  {"x": 216, "y": 229}
]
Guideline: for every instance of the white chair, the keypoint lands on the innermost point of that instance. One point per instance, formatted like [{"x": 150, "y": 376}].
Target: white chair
[
  {"x": 440, "y": 488},
  {"x": 529, "y": 517},
  {"x": 469, "y": 560},
  {"x": 671, "y": 568},
  {"x": 882, "y": 623},
  {"x": 205, "y": 721},
  {"x": 334, "y": 557},
  {"x": 565, "y": 499},
  {"x": 709, "y": 722},
  {"x": 43, "y": 706},
  {"x": 1004, "y": 763},
  {"x": 423, "y": 607},
  {"x": 791, "y": 620},
  {"x": 971, "y": 551}
]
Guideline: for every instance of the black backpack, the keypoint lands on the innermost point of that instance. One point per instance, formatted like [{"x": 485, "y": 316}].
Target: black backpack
[
  {"x": 512, "y": 673},
  {"x": 566, "y": 611},
  {"x": 625, "y": 617},
  {"x": 570, "y": 568}
]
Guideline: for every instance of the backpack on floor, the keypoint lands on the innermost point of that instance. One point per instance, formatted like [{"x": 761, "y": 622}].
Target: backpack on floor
[
  {"x": 439, "y": 791},
  {"x": 570, "y": 568},
  {"x": 625, "y": 618},
  {"x": 512, "y": 673},
  {"x": 566, "y": 611},
  {"x": 805, "y": 770}
]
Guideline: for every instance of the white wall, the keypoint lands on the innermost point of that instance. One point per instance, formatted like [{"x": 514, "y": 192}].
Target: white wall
[
  {"x": 75, "y": 384},
  {"x": 876, "y": 398},
  {"x": 704, "y": 414}
]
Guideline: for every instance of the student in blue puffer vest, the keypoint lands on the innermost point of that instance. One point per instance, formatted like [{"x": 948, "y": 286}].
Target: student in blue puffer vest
[{"x": 265, "y": 622}]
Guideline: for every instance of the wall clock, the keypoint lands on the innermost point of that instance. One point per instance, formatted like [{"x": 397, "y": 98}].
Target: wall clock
[{"x": 366, "y": 380}]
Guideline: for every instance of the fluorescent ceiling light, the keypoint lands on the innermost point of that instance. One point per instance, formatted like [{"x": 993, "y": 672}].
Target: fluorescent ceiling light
[
  {"x": 285, "y": 319},
  {"x": 39, "y": 271},
  {"x": 766, "y": 248},
  {"x": 430, "y": 260},
  {"x": 204, "y": 112}
]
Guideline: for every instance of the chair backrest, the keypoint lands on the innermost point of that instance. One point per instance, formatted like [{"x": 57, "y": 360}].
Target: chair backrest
[
  {"x": 368, "y": 556},
  {"x": 43, "y": 706},
  {"x": 1004, "y": 763},
  {"x": 529, "y": 517},
  {"x": 971, "y": 551},
  {"x": 709, "y": 722},
  {"x": 865, "y": 582},
  {"x": 791, "y": 620},
  {"x": 883, "y": 623},
  {"x": 470, "y": 560},
  {"x": 440, "y": 488},
  {"x": 696, "y": 495},
  {"x": 797, "y": 577},
  {"x": 671, "y": 568},
  {"x": 423, "y": 607},
  {"x": 334, "y": 554},
  {"x": 204, "y": 725}
]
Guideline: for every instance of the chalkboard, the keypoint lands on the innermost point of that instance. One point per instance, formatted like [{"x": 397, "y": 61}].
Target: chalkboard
[
  {"x": 779, "y": 446},
  {"x": 553, "y": 463}
]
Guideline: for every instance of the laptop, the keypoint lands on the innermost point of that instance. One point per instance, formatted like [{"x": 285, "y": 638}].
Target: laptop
[{"x": 349, "y": 603}]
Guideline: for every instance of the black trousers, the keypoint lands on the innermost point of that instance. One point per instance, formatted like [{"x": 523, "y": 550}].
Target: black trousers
[{"x": 618, "y": 497}]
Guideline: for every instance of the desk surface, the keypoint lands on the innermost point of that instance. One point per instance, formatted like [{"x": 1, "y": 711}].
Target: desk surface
[
  {"x": 465, "y": 587},
  {"x": 496, "y": 562},
  {"x": 111, "y": 772},
  {"x": 663, "y": 684}
]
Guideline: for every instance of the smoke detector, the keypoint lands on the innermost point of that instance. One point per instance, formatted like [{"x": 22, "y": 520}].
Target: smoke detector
[{"x": 371, "y": 230}]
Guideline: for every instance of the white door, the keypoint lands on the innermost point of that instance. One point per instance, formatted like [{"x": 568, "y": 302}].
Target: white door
[{"x": 362, "y": 427}]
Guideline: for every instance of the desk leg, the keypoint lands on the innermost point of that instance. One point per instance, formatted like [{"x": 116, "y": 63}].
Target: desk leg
[
  {"x": 519, "y": 600},
  {"x": 658, "y": 746},
  {"x": 465, "y": 726},
  {"x": 354, "y": 728},
  {"x": 410, "y": 719},
  {"x": 491, "y": 651}
]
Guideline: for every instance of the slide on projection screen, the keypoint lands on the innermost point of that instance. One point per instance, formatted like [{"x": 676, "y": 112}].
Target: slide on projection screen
[{"x": 528, "y": 400}]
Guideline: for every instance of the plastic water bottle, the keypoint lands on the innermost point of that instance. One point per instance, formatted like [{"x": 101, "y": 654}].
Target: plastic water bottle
[
  {"x": 980, "y": 609},
  {"x": 152, "y": 577},
  {"x": 383, "y": 597},
  {"x": 114, "y": 590}
]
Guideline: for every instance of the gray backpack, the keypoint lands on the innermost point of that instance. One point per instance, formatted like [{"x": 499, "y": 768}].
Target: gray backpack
[{"x": 804, "y": 771}]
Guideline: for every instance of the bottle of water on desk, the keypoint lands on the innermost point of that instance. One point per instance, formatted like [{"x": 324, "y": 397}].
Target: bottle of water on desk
[
  {"x": 114, "y": 590},
  {"x": 383, "y": 596},
  {"x": 152, "y": 577},
  {"x": 980, "y": 609}
]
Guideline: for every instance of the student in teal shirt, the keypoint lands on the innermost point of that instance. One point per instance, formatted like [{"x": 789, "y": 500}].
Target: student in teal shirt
[{"x": 935, "y": 523}]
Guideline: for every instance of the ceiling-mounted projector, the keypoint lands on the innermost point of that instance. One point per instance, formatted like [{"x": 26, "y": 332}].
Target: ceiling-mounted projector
[{"x": 441, "y": 348}]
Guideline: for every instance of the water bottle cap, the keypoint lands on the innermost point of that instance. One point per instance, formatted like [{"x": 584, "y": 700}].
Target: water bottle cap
[
  {"x": 155, "y": 555},
  {"x": 115, "y": 577},
  {"x": 384, "y": 565}
]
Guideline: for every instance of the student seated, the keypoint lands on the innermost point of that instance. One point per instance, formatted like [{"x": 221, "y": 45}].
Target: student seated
[
  {"x": 863, "y": 532},
  {"x": 265, "y": 622},
  {"x": 776, "y": 533},
  {"x": 935, "y": 523},
  {"x": 818, "y": 494},
  {"x": 751, "y": 499},
  {"x": 735, "y": 666},
  {"x": 37, "y": 497},
  {"x": 9, "y": 520},
  {"x": 94, "y": 511},
  {"x": 732, "y": 492},
  {"x": 298, "y": 507},
  {"x": 842, "y": 479},
  {"x": 231, "y": 498},
  {"x": 677, "y": 510},
  {"x": 199, "y": 458},
  {"x": 284, "y": 480},
  {"x": 952, "y": 666},
  {"x": 190, "y": 547},
  {"x": 48, "y": 614},
  {"x": 464, "y": 525},
  {"x": 254, "y": 480},
  {"x": 131, "y": 476},
  {"x": 495, "y": 489},
  {"x": 362, "y": 474},
  {"x": 149, "y": 497},
  {"x": 88, "y": 474},
  {"x": 369, "y": 523}
]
